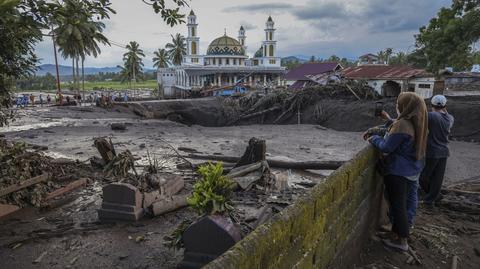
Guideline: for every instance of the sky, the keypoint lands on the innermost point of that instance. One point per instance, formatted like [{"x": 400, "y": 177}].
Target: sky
[{"x": 346, "y": 28}]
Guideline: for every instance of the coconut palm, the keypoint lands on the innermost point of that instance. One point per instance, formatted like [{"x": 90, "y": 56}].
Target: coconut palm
[
  {"x": 177, "y": 49},
  {"x": 132, "y": 60},
  {"x": 78, "y": 35},
  {"x": 161, "y": 59}
]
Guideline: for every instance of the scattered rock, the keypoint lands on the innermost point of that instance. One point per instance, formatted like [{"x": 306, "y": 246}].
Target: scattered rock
[
  {"x": 118, "y": 126},
  {"x": 477, "y": 250},
  {"x": 142, "y": 146}
]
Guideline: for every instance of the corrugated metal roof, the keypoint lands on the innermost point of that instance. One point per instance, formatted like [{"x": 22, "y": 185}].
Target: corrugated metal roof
[
  {"x": 384, "y": 72},
  {"x": 300, "y": 72}
]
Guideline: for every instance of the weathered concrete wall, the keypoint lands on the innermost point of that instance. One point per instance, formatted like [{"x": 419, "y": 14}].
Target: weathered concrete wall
[{"x": 326, "y": 229}]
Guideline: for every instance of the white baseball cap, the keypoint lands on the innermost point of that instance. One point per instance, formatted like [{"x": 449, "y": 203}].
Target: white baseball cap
[{"x": 439, "y": 100}]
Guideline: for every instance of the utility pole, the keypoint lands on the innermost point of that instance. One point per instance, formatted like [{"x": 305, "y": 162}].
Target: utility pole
[{"x": 56, "y": 61}]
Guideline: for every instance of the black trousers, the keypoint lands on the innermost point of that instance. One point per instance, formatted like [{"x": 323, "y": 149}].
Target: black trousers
[
  {"x": 397, "y": 189},
  {"x": 431, "y": 179}
]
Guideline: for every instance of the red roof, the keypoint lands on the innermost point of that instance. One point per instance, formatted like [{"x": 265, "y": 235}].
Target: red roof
[
  {"x": 300, "y": 72},
  {"x": 383, "y": 72}
]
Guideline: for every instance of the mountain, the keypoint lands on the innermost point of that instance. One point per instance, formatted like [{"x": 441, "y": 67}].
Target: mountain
[
  {"x": 294, "y": 59},
  {"x": 67, "y": 70}
]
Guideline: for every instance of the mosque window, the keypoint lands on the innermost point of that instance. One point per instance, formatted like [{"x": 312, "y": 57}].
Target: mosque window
[
  {"x": 270, "y": 35},
  {"x": 271, "y": 51},
  {"x": 272, "y": 61},
  {"x": 213, "y": 61},
  {"x": 234, "y": 61},
  {"x": 228, "y": 62},
  {"x": 194, "y": 48},
  {"x": 193, "y": 31}
]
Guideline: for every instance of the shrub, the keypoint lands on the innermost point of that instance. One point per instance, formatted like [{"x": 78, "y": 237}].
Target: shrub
[{"x": 212, "y": 194}]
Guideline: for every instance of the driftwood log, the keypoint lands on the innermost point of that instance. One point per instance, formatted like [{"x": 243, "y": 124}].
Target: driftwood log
[
  {"x": 304, "y": 165},
  {"x": 170, "y": 204},
  {"x": 106, "y": 149}
]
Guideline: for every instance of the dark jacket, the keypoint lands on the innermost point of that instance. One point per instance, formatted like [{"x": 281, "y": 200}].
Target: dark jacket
[
  {"x": 399, "y": 159},
  {"x": 439, "y": 125}
]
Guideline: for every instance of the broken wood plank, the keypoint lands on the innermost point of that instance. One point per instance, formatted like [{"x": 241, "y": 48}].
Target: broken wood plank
[
  {"x": 461, "y": 192},
  {"x": 169, "y": 204},
  {"x": 24, "y": 183},
  {"x": 243, "y": 170},
  {"x": 6, "y": 210},
  {"x": 106, "y": 149},
  {"x": 414, "y": 255},
  {"x": 303, "y": 165},
  {"x": 68, "y": 188}
]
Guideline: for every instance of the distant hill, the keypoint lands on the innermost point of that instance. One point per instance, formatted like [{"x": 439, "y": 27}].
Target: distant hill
[
  {"x": 289, "y": 59},
  {"x": 67, "y": 70}
]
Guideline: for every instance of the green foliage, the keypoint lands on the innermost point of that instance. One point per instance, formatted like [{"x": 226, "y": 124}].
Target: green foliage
[
  {"x": 170, "y": 15},
  {"x": 449, "y": 37},
  {"x": 161, "y": 59},
  {"x": 213, "y": 192},
  {"x": 132, "y": 69},
  {"x": 177, "y": 49},
  {"x": 36, "y": 83},
  {"x": 175, "y": 240}
]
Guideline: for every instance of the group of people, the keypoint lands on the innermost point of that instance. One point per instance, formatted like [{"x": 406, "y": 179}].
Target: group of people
[
  {"x": 94, "y": 97},
  {"x": 29, "y": 99},
  {"x": 414, "y": 155}
]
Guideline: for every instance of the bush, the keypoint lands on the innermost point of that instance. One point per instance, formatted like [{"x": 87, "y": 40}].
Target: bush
[{"x": 212, "y": 194}]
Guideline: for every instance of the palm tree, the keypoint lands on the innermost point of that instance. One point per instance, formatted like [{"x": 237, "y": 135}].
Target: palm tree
[
  {"x": 388, "y": 53},
  {"x": 70, "y": 31},
  {"x": 161, "y": 59},
  {"x": 177, "y": 49},
  {"x": 133, "y": 60},
  {"x": 77, "y": 35}
]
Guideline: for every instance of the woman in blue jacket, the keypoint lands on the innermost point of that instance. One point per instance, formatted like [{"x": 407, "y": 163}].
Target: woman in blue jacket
[{"x": 403, "y": 148}]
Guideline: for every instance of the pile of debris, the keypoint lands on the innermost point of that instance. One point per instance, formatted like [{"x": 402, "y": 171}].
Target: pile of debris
[
  {"x": 28, "y": 177},
  {"x": 286, "y": 104}
]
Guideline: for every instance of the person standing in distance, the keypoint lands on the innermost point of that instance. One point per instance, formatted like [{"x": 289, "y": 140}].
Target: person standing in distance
[{"x": 439, "y": 125}]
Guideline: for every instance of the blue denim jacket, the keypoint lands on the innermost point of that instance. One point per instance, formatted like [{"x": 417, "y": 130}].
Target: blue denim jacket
[{"x": 399, "y": 149}]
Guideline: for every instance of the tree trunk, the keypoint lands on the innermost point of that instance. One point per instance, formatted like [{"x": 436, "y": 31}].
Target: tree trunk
[
  {"x": 254, "y": 153},
  {"x": 78, "y": 78},
  {"x": 106, "y": 149},
  {"x": 73, "y": 72},
  {"x": 83, "y": 78}
]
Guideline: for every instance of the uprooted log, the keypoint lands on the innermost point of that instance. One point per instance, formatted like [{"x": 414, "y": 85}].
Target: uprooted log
[
  {"x": 169, "y": 204},
  {"x": 106, "y": 149},
  {"x": 303, "y": 165},
  {"x": 25, "y": 183}
]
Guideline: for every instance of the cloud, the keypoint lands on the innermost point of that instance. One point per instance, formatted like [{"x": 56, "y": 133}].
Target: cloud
[
  {"x": 263, "y": 8},
  {"x": 316, "y": 11},
  {"x": 248, "y": 26}
]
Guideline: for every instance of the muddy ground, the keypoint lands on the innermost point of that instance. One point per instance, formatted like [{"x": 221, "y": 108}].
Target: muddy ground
[{"x": 71, "y": 235}]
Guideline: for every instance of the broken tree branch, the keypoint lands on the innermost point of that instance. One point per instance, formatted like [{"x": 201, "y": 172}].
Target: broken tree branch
[{"x": 25, "y": 183}]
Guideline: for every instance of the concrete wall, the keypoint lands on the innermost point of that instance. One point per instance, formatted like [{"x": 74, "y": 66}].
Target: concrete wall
[{"x": 325, "y": 229}]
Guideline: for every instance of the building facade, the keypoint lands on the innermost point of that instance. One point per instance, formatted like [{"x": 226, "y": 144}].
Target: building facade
[{"x": 225, "y": 63}]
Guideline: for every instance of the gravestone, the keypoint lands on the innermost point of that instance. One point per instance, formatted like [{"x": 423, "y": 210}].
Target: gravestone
[
  {"x": 121, "y": 201},
  {"x": 207, "y": 239}
]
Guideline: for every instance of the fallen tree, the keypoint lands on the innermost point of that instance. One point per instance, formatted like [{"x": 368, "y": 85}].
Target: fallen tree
[{"x": 302, "y": 165}]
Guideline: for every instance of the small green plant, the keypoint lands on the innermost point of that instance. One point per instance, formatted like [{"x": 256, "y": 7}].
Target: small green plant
[
  {"x": 212, "y": 194},
  {"x": 175, "y": 240}
]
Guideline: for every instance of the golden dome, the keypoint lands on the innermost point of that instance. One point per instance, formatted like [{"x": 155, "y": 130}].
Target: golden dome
[{"x": 225, "y": 45}]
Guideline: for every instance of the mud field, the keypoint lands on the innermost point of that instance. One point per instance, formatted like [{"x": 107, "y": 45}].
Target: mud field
[{"x": 69, "y": 235}]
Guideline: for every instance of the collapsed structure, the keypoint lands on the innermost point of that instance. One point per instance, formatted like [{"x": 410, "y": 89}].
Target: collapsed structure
[{"x": 224, "y": 64}]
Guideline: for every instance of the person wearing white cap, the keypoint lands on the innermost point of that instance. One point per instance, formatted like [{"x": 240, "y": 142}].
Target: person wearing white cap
[{"x": 439, "y": 124}]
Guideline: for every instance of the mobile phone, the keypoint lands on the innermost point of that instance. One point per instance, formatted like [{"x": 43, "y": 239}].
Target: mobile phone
[{"x": 378, "y": 109}]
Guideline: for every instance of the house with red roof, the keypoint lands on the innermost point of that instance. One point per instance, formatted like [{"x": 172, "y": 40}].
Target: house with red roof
[
  {"x": 390, "y": 81},
  {"x": 310, "y": 74}
]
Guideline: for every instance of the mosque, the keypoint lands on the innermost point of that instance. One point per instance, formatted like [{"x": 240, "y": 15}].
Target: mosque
[{"x": 224, "y": 64}]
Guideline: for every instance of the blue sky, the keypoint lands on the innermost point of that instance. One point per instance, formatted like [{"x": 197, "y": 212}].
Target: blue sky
[{"x": 304, "y": 27}]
